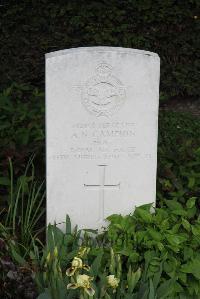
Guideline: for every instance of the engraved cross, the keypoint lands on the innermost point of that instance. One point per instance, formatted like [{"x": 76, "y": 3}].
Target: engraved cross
[{"x": 101, "y": 187}]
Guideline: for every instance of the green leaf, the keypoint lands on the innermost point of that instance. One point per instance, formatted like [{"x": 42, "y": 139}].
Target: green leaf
[
  {"x": 143, "y": 214},
  {"x": 175, "y": 239},
  {"x": 115, "y": 218},
  {"x": 173, "y": 204},
  {"x": 165, "y": 289},
  {"x": 133, "y": 278},
  {"x": 175, "y": 207},
  {"x": 143, "y": 291},
  {"x": 191, "y": 202},
  {"x": 196, "y": 230},
  {"x": 155, "y": 235},
  {"x": 151, "y": 290},
  {"x": 157, "y": 276},
  {"x": 191, "y": 182},
  {"x": 44, "y": 295},
  {"x": 19, "y": 259},
  {"x": 68, "y": 225},
  {"x": 147, "y": 207},
  {"x": 133, "y": 255},
  {"x": 96, "y": 264},
  {"x": 192, "y": 267},
  {"x": 186, "y": 224},
  {"x": 191, "y": 212}
]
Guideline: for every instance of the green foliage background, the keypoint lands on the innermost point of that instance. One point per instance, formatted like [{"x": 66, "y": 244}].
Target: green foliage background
[
  {"x": 164, "y": 245},
  {"x": 29, "y": 29}
]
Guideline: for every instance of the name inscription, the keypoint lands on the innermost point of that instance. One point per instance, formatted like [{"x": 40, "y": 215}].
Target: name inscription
[{"x": 105, "y": 140}]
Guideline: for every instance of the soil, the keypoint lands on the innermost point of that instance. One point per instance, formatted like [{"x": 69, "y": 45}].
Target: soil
[{"x": 191, "y": 106}]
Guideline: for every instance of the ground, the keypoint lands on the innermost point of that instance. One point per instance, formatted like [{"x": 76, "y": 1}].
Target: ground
[{"x": 182, "y": 105}]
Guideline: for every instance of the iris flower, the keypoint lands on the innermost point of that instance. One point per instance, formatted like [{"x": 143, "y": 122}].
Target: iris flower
[
  {"x": 83, "y": 281},
  {"x": 76, "y": 264}
]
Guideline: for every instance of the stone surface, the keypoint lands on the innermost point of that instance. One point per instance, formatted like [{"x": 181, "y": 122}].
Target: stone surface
[{"x": 101, "y": 127}]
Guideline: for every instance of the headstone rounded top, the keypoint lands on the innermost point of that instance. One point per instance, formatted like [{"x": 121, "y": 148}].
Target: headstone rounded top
[{"x": 101, "y": 49}]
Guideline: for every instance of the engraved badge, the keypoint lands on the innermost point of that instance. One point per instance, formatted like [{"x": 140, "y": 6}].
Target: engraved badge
[{"x": 103, "y": 94}]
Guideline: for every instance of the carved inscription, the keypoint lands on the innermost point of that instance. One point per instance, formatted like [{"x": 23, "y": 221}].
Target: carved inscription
[
  {"x": 105, "y": 140},
  {"x": 103, "y": 94}
]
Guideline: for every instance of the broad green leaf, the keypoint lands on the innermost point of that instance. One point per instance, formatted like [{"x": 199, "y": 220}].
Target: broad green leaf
[
  {"x": 186, "y": 224},
  {"x": 147, "y": 207},
  {"x": 165, "y": 289},
  {"x": 192, "y": 267},
  {"x": 191, "y": 202},
  {"x": 96, "y": 264},
  {"x": 196, "y": 230},
  {"x": 175, "y": 239},
  {"x": 115, "y": 218},
  {"x": 157, "y": 276},
  {"x": 143, "y": 214},
  {"x": 191, "y": 182},
  {"x": 173, "y": 205},
  {"x": 191, "y": 212},
  {"x": 155, "y": 234},
  {"x": 183, "y": 277},
  {"x": 188, "y": 253}
]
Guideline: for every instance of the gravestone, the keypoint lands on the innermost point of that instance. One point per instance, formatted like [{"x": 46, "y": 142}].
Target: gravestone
[{"x": 101, "y": 132}]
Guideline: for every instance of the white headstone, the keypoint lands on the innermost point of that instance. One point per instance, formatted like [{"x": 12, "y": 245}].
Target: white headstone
[{"x": 101, "y": 125}]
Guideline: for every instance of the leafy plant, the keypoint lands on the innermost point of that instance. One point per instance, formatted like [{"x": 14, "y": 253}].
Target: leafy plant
[
  {"x": 164, "y": 238},
  {"x": 141, "y": 255},
  {"x": 21, "y": 129},
  {"x": 25, "y": 206},
  {"x": 178, "y": 157},
  {"x": 51, "y": 267}
]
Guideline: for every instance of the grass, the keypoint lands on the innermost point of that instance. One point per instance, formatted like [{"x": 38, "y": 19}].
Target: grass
[{"x": 25, "y": 201}]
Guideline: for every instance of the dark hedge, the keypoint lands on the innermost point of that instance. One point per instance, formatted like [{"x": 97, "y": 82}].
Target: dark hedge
[{"x": 29, "y": 29}]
